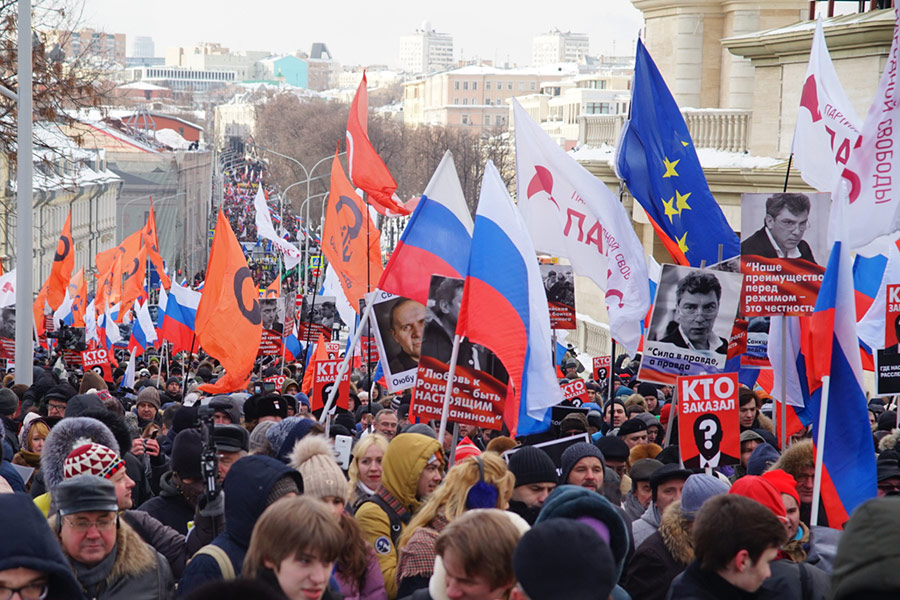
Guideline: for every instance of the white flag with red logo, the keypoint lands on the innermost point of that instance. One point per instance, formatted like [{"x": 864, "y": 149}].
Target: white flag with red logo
[
  {"x": 827, "y": 126},
  {"x": 866, "y": 188},
  {"x": 572, "y": 214}
]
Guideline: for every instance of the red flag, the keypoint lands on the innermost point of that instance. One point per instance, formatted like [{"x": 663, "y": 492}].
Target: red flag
[
  {"x": 367, "y": 170},
  {"x": 40, "y": 305},
  {"x": 133, "y": 287},
  {"x": 129, "y": 247},
  {"x": 321, "y": 353},
  {"x": 78, "y": 294},
  {"x": 149, "y": 239},
  {"x": 63, "y": 265},
  {"x": 229, "y": 322},
  {"x": 274, "y": 289},
  {"x": 347, "y": 225}
]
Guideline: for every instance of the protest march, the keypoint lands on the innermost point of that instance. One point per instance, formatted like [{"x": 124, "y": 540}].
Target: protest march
[{"x": 320, "y": 414}]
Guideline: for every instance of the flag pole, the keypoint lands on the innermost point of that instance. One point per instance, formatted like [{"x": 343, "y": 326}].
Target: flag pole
[
  {"x": 820, "y": 450},
  {"x": 609, "y": 376},
  {"x": 672, "y": 415},
  {"x": 312, "y": 307},
  {"x": 783, "y": 385},
  {"x": 348, "y": 356},
  {"x": 445, "y": 410}
]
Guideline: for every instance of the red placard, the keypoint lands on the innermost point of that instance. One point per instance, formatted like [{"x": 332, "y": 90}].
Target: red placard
[
  {"x": 737, "y": 344},
  {"x": 269, "y": 343},
  {"x": 333, "y": 349},
  {"x": 324, "y": 379},
  {"x": 369, "y": 349},
  {"x": 709, "y": 429},
  {"x": 892, "y": 312},
  {"x": 575, "y": 391},
  {"x": 98, "y": 361},
  {"x": 602, "y": 367},
  {"x": 278, "y": 380},
  {"x": 7, "y": 349},
  {"x": 775, "y": 286},
  {"x": 476, "y": 399}
]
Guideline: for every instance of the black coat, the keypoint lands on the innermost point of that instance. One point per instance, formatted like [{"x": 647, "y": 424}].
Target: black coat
[
  {"x": 759, "y": 244},
  {"x": 697, "y": 584},
  {"x": 170, "y": 507}
]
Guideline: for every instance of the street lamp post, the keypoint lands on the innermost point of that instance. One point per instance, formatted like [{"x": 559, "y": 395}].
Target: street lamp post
[{"x": 24, "y": 201}]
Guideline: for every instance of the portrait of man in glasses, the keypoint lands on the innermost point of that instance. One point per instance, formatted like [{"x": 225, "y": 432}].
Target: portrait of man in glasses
[
  {"x": 697, "y": 298},
  {"x": 781, "y": 236}
]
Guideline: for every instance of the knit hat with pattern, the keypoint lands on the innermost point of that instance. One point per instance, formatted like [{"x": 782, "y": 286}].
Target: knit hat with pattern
[{"x": 92, "y": 459}]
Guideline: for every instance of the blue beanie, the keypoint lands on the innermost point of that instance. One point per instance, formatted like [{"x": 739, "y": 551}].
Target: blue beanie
[
  {"x": 762, "y": 457},
  {"x": 283, "y": 435},
  {"x": 698, "y": 488},
  {"x": 576, "y": 452}
]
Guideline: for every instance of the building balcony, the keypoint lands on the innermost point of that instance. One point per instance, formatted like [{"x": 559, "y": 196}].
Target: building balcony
[{"x": 716, "y": 128}]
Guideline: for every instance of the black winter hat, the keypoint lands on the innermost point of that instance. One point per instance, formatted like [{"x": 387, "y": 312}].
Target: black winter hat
[
  {"x": 185, "y": 418},
  {"x": 231, "y": 438},
  {"x": 646, "y": 389},
  {"x": 887, "y": 421},
  {"x": 643, "y": 469},
  {"x": 576, "y": 452},
  {"x": 532, "y": 465},
  {"x": 550, "y": 561},
  {"x": 186, "y": 450},
  {"x": 9, "y": 402},
  {"x": 632, "y": 426},
  {"x": 667, "y": 472},
  {"x": 613, "y": 448}
]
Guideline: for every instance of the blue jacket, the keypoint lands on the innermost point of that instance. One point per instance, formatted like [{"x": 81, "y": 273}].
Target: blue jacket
[
  {"x": 7, "y": 471},
  {"x": 29, "y": 542},
  {"x": 246, "y": 489}
]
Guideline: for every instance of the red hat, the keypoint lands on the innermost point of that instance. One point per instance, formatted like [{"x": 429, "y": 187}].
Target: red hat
[
  {"x": 465, "y": 448},
  {"x": 757, "y": 488},
  {"x": 92, "y": 459},
  {"x": 784, "y": 482},
  {"x": 664, "y": 414}
]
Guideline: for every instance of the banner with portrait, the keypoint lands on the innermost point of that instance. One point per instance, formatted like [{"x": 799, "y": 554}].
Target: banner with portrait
[
  {"x": 691, "y": 324},
  {"x": 479, "y": 389},
  {"x": 8, "y": 333},
  {"x": 783, "y": 251},
  {"x": 559, "y": 285},
  {"x": 317, "y": 313},
  {"x": 399, "y": 324},
  {"x": 272, "y": 312}
]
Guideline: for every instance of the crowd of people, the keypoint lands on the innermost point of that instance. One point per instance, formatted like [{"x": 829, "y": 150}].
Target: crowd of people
[{"x": 164, "y": 492}]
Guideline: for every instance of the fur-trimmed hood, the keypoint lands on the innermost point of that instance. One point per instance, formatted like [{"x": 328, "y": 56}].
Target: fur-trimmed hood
[
  {"x": 673, "y": 528},
  {"x": 134, "y": 556},
  {"x": 765, "y": 423},
  {"x": 62, "y": 440},
  {"x": 797, "y": 457}
]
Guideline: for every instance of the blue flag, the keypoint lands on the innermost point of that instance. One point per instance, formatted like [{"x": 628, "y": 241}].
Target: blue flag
[{"x": 657, "y": 160}]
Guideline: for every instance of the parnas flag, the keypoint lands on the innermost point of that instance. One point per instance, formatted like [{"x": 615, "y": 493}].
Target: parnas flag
[
  {"x": 657, "y": 160},
  {"x": 504, "y": 307},
  {"x": 572, "y": 214}
]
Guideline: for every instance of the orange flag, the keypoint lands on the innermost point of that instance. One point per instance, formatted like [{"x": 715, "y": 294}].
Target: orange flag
[
  {"x": 40, "y": 305},
  {"x": 229, "y": 322},
  {"x": 152, "y": 243},
  {"x": 367, "y": 170},
  {"x": 321, "y": 353},
  {"x": 129, "y": 248},
  {"x": 115, "y": 291},
  {"x": 344, "y": 235},
  {"x": 105, "y": 285},
  {"x": 274, "y": 289},
  {"x": 78, "y": 294},
  {"x": 63, "y": 265},
  {"x": 133, "y": 287}
]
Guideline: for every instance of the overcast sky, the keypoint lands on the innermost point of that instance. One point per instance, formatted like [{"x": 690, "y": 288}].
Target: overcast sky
[{"x": 367, "y": 32}]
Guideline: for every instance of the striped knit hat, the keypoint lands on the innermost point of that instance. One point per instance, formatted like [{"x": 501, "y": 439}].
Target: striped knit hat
[{"x": 92, "y": 459}]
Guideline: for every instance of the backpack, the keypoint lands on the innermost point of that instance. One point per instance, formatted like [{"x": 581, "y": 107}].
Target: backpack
[
  {"x": 397, "y": 522},
  {"x": 221, "y": 559}
]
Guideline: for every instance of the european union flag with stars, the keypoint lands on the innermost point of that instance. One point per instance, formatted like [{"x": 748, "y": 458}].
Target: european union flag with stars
[{"x": 657, "y": 161}]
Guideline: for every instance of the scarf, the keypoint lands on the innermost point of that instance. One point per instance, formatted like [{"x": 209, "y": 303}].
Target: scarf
[
  {"x": 32, "y": 459},
  {"x": 90, "y": 578}
]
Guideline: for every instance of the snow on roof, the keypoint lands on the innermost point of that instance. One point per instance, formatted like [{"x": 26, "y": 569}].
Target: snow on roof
[
  {"x": 803, "y": 26},
  {"x": 172, "y": 139},
  {"x": 710, "y": 158},
  {"x": 545, "y": 70},
  {"x": 141, "y": 85}
]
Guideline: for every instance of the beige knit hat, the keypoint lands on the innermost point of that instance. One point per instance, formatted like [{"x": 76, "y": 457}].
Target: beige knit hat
[{"x": 322, "y": 477}]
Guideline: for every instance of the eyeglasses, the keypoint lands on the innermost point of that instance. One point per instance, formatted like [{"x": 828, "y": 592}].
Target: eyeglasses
[
  {"x": 83, "y": 525},
  {"x": 889, "y": 488},
  {"x": 32, "y": 591},
  {"x": 56, "y": 408}
]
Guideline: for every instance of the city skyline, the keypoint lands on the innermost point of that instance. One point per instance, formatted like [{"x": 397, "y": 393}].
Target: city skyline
[{"x": 612, "y": 28}]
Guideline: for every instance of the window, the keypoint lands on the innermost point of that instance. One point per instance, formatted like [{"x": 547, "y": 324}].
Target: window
[
  {"x": 456, "y": 101},
  {"x": 474, "y": 85},
  {"x": 465, "y": 101},
  {"x": 474, "y": 101},
  {"x": 465, "y": 85},
  {"x": 455, "y": 85},
  {"x": 487, "y": 101},
  {"x": 533, "y": 86},
  {"x": 509, "y": 85},
  {"x": 597, "y": 108},
  {"x": 487, "y": 85},
  {"x": 465, "y": 119},
  {"x": 521, "y": 86}
]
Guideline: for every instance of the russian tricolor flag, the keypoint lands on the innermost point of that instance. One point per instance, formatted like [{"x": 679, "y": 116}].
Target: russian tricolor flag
[
  {"x": 831, "y": 347},
  {"x": 180, "y": 315},
  {"x": 504, "y": 307},
  {"x": 436, "y": 240},
  {"x": 143, "y": 333}
]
